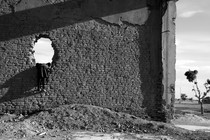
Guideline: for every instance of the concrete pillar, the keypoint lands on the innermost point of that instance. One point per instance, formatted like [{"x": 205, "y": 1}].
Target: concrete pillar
[{"x": 169, "y": 56}]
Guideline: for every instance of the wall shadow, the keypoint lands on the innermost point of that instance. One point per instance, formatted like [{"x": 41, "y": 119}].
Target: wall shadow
[
  {"x": 46, "y": 18},
  {"x": 23, "y": 22},
  {"x": 153, "y": 92},
  {"x": 19, "y": 86}
]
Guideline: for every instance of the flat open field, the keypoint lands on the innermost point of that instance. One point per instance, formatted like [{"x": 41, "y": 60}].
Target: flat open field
[{"x": 192, "y": 107}]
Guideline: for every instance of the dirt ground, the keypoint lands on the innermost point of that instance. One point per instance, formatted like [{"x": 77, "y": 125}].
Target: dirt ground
[
  {"x": 84, "y": 122},
  {"x": 188, "y": 116},
  {"x": 192, "y": 107}
]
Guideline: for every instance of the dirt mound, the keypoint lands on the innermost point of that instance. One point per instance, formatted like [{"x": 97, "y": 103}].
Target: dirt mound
[
  {"x": 16, "y": 126},
  {"x": 87, "y": 118},
  {"x": 92, "y": 118}
]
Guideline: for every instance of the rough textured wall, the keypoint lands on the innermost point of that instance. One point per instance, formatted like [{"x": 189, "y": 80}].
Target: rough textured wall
[{"x": 107, "y": 53}]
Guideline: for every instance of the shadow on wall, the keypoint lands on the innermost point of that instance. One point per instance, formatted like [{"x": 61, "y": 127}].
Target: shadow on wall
[
  {"x": 24, "y": 22},
  {"x": 21, "y": 85},
  {"x": 53, "y": 16}
]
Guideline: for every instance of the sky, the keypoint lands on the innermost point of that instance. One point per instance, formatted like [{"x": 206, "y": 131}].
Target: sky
[
  {"x": 43, "y": 50},
  {"x": 192, "y": 42}
]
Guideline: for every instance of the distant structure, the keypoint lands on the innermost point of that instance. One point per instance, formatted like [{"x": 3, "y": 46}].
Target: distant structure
[{"x": 117, "y": 54}]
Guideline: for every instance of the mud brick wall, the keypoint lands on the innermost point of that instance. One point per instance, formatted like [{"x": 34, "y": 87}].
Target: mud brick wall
[{"x": 107, "y": 53}]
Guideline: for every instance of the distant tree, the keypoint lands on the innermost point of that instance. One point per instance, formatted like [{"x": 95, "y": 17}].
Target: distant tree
[
  {"x": 192, "y": 77},
  {"x": 183, "y": 96},
  {"x": 206, "y": 100},
  {"x": 190, "y": 99}
]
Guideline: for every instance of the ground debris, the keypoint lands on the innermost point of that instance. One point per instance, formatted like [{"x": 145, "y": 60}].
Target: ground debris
[{"x": 53, "y": 123}]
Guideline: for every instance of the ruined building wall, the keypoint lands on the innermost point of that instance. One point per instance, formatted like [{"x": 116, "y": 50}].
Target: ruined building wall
[{"x": 107, "y": 53}]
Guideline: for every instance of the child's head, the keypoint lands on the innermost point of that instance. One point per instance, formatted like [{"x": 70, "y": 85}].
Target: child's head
[{"x": 49, "y": 64}]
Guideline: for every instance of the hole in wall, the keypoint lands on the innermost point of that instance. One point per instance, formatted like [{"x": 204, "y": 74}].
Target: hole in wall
[{"x": 43, "y": 50}]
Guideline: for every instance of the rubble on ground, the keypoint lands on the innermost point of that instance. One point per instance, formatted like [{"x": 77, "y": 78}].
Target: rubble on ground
[{"x": 76, "y": 117}]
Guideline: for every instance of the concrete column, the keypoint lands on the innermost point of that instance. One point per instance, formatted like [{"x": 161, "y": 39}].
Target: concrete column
[{"x": 169, "y": 56}]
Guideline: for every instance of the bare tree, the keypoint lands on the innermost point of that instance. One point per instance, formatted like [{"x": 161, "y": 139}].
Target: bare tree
[{"x": 192, "y": 77}]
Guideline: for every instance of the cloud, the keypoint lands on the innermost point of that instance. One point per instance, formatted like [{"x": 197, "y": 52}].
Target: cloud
[
  {"x": 184, "y": 62},
  {"x": 188, "y": 14},
  {"x": 193, "y": 46}
]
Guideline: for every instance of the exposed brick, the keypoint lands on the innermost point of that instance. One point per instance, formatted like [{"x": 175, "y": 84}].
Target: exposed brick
[{"x": 96, "y": 61}]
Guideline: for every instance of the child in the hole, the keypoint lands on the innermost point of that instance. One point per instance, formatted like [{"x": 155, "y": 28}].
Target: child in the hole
[{"x": 43, "y": 71}]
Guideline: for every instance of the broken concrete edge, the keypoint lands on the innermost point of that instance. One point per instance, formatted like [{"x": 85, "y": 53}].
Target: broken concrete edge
[{"x": 139, "y": 17}]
